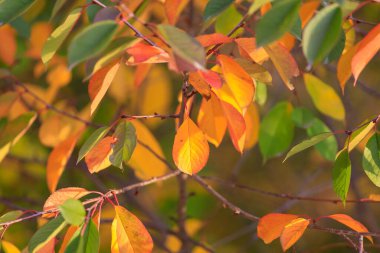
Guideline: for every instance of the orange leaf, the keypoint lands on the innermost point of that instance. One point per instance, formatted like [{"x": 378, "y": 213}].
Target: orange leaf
[
  {"x": 271, "y": 225},
  {"x": 8, "y": 45},
  {"x": 351, "y": 223},
  {"x": 284, "y": 62},
  {"x": 39, "y": 34},
  {"x": 97, "y": 158},
  {"x": 59, "y": 76},
  {"x": 142, "y": 53},
  {"x": 307, "y": 11},
  {"x": 58, "y": 197},
  {"x": 238, "y": 81},
  {"x": 343, "y": 69},
  {"x": 197, "y": 81},
  {"x": 211, "y": 120},
  {"x": 58, "y": 158},
  {"x": 66, "y": 239},
  {"x": 252, "y": 124},
  {"x": 190, "y": 149},
  {"x": 292, "y": 232},
  {"x": 173, "y": 8},
  {"x": 247, "y": 48},
  {"x": 141, "y": 73},
  {"x": 207, "y": 40},
  {"x": 131, "y": 234},
  {"x": 48, "y": 247},
  {"x": 368, "y": 47},
  {"x": 99, "y": 84},
  {"x": 236, "y": 126},
  {"x": 212, "y": 78}
]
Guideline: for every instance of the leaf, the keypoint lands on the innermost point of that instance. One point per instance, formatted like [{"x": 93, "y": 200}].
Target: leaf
[
  {"x": 371, "y": 159},
  {"x": 212, "y": 39},
  {"x": 90, "y": 42},
  {"x": 8, "y": 46},
  {"x": 328, "y": 147},
  {"x": 238, "y": 81},
  {"x": 39, "y": 34},
  {"x": 57, "y": 6},
  {"x": 131, "y": 234},
  {"x": 87, "y": 241},
  {"x": 16, "y": 128},
  {"x": 277, "y": 21},
  {"x": 337, "y": 50},
  {"x": 190, "y": 149},
  {"x": 46, "y": 233},
  {"x": 146, "y": 164},
  {"x": 327, "y": 25},
  {"x": 247, "y": 48},
  {"x": 99, "y": 84},
  {"x": 184, "y": 46},
  {"x": 284, "y": 63},
  {"x": 98, "y": 158},
  {"x": 212, "y": 78},
  {"x": 8, "y": 247},
  {"x": 10, "y": 216},
  {"x": 67, "y": 238},
  {"x": 91, "y": 141},
  {"x": 228, "y": 20},
  {"x": 342, "y": 174},
  {"x": 199, "y": 84},
  {"x": 256, "y": 5},
  {"x": 271, "y": 225},
  {"x": 58, "y": 158},
  {"x": 215, "y": 7},
  {"x": 10, "y": 9},
  {"x": 367, "y": 49},
  {"x": 276, "y": 130},
  {"x": 360, "y": 134},
  {"x": 292, "y": 232},
  {"x": 73, "y": 211},
  {"x": 58, "y": 197},
  {"x": 351, "y": 223},
  {"x": 173, "y": 9},
  {"x": 56, "y": 39},
  {"x": 307, "y": 144},
  {"x": 324, "y": 97},
  {"x": 343, "y": 69},
  {"x": 59, "y": 76},
  {"x": 307, "y": 11},
  {"x": 211, "y": 120},
  {"x": 142, "y": 53},
  {"x": 252, "y": 126},
  {"x": 256, "y": 71},
  {"x": 303, "y": 117},
  {"x": 122, "y": 150}
]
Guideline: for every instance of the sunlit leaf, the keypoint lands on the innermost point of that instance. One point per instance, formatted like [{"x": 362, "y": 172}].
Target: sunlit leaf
[
  {"x": 247, "y": 48},
  {"x": 8, "y": 247},
  {"x": 228, "y": 20},
  {"x": 292, "y": 232},
  {"x": 199, "y": 84},
  {"x": 343, "y": 70},
  {"x": 58, "y": 197},
  {"x": 207, "y": 40},
  {"x": 256, "y": 5},
  {"x": 56, "y": 39},
  {"x": 122, "y": 150},
  {"x": 215, "y": 7},
  {"x": 190, "y": 149},
  {"x": 371, "y": 159},
  {"x": 39, "y": 34},
  {"x": 360, "y": 134},
  {"x": 307, "y": 11},
  {"x": 67, "y": 238},
  {"x": 90, "y": 41},
  {"x": 271, "y": 225},
  {"x": 98, "y": 158},
  {"x": 327, "y": 25},
  {"x": 236, "y": 126},
  {"x": 73, "y": 211},
  {"x": 91, "y": 141},
  {"x": 342, "y": 174},
  {"x": 252, "y": 126},
  {"x": 324, "y": 97},
  {"x": 351, "y": 223},
  {"x": 10, "y": 9},
  {"x": 142, "y": 53},
  {"x": 173, "y": 9}
]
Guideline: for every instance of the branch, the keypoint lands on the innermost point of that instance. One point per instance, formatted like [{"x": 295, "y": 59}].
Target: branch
[{"x": 155, "y": 115}]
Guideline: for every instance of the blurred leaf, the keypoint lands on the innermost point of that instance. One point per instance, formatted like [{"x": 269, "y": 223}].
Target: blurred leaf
[
  {"x": 342, "y": 174},
  {"x": 303, "y": 117},
  {"x": 326, "y": 25},
  {"x": 215, "y": 7},
  {"x": 212, "y": 39},
  {"x": 277, "y": 21},
  {"x": 16, "y": 128},
  {"x": 173, "y": 9},
  {"x": 8, "y": 45},
  {"x": 86, "y": 242},
  {"x": 125, "y": 144},
  {"x": 276, "y": 130},
  {"x": 351, "y": 223},
  {"x": 190, "y": 148},
  {"x": 67, "y": 238},
  {"x": 46, "y": 233},
  {"x": 91, "y": 141},
  {"x": 271, "y": 225},
  {"x": 56, "y": 39},
  {"x": 296, "y": 29},
  {"x": 90, "y": 42},
  {"x": 292, "y": 232},
  {"x": 371, "y": 159},
  {"x": 336, "y": 52},
  {"x": 8, "y": 247},
  {"x": 40, "y": 32},
  {"x": 11, "y": 9},
  {"x": 9, "y": 216},
  {"x": 307, "y": 11},
  {"x": 57, "y": 6},
  {"x": 261, "y": 93},
  {"x": 228, "y": 20},
  {"x": 73, "y": 211},
  {"x": 256, "y": 5},
  {"x": 324, "y": 97}
]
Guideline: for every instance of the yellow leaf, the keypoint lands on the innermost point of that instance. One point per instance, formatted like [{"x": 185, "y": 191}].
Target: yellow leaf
[
  {"x": 59, "y": 76},
  {"x": 271, "y": 225},
  {"x": 8, "y": 45},
  {"x": 99, "y": 84},
  {"x": 39, "y": 34},
  {"x": 247, "y": 48},
  {"x": 211, "y": 120},
  {"x": 252, "y": 125},
  {"x": 58, "y": 158},
  {"x": 199, "y": 84},
  {"x": 190, "y": 149},
  {"x": 131, "y": 234},
  {"x": 324, "y": 97},
  {"x": 8, "y": 247},
  {"x": 238, "y": 81},
  {"x": 143, "y": 161},
  {"x": 122, "y": 88},
  {"x": 292, "y": 232},
  {"x": 54, "y": 129}
]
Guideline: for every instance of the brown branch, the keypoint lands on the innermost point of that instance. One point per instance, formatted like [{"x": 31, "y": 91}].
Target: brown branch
[{"x": 156, "y": 115}]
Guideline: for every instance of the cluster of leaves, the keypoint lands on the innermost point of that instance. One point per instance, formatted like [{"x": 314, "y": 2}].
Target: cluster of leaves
[{"x": 232, "y": 85}]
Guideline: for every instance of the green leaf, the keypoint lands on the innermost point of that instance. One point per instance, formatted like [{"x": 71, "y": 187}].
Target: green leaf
[
  {"x": 57, "y": 6},
  {"x": 215, "y": 7},
  {"x": 73, "y": 211},
  {"x": 303, "y": 117},
  {"x": 322, "y": 33},
  {"x": 336, "y": 52},
  {"x": 184, "y": 46},
  {"x": 91, "y": 41},
  {"x": 261, "y": 93},
  {"x": 57, "y": 37},
  {"x": 277, "y": 21},
  {"x": 46, "y": 233},
  {"x": 125, "y": 134},
  {"x": 371, "y": 159},
  {"x": 328, "y": 147},
  {"x": 16, "y": 128},
  {"x": 228, "y": 20},
  {"x": 11, "y": 9},
  {"x": 307, "y": 144},
  {"x": 91, "y": 141},
  {"x": 342, "y": 174},
  {"x": 10, "y": 216},
  {"x": 88, "y": 243},
  {"x": 296, "y": 29},
  {"x": 276, "y": 130},
  {"x": 256, "y": 5}
]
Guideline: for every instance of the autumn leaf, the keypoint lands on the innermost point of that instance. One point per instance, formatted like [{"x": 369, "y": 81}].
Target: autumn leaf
[
  {"x": 247, "y": 48},
  {"x": 212, "y": 39},
  {"x": 190, "y": 149},
  {"x": 307, "y": 11},
  {"x": 197, "y": 81},
  {"x": 142, "y": 53},
  {"x": 39, "y": 34},
  {"x": 292, "y": 232},
  {"x": 252, "y": 125},
  {"x": 66, "y": 239},
  {"x": 173, "y": 9},
  {"x": 97, "y": 158},
  {"x": 271, "y": 225},
  {"x": 122, "y": 149},
  {"x": 343, "y": 70},
  {"x": 8, "y": 44},
  {"x": 9, "y": 247}
]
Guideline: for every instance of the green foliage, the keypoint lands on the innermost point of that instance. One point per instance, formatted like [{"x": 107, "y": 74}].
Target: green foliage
[
  {"x": 342, "y": 174},
  {"x": 86, "y": 242},
  {"x": 91, "y": 141},
  {"x": 10, "y": 9},
  {"x": 215, "y": 7},
  {"x": 125, "y": 134},
  {"x": 371, "y": 159},
  {"x": 73, "y": 211}
]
